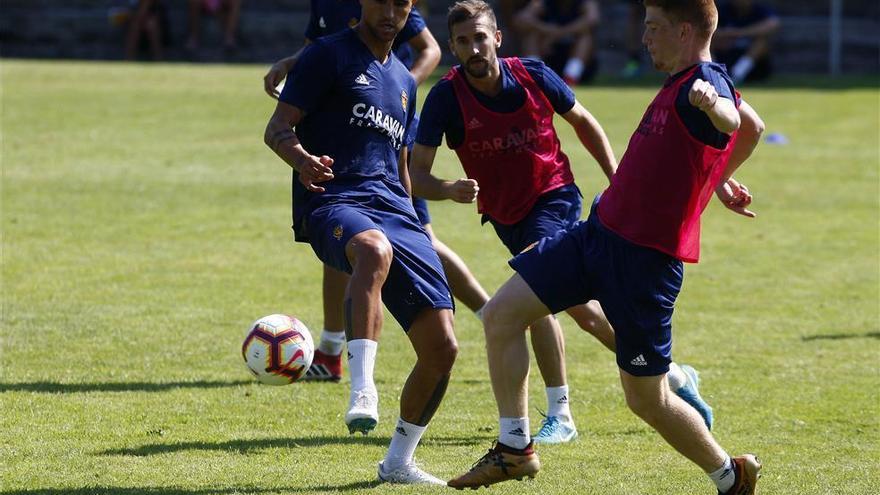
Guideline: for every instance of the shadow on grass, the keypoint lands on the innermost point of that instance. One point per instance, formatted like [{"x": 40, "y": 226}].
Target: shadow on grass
[
  {"x": 73, "y": 388},
  {"x": 841, "y": 336},
  {"x": 248, "y": 446}
]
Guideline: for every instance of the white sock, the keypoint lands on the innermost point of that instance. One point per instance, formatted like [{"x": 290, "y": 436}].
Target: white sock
[
  {"x": 332, "y": 342},
  {"x": 403, "y": 443},
  {"x": 676, "y": 377},
  {"x": 515, "y": 432},
  {"x": 574, "y": 68},
  {"x": 557, "y": 401},
  {"x": 724, "y": 477},
  {"x": 741, "y": 68},
  {"x": 361, "y": 362}
]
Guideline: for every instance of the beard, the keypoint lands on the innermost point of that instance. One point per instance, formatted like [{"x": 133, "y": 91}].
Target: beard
[{"x": 477, "y": 67}]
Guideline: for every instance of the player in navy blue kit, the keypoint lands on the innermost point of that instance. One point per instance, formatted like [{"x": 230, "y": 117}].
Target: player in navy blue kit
[
  {"x": 351, "y": 102},
  {"x": 416, "y": 47}
]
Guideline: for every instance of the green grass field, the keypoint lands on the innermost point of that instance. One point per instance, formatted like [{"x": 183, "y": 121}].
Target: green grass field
[{"x": 145, "y": 225}]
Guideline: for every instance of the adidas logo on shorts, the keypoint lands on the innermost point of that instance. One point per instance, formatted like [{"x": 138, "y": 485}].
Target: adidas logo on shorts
[{"x": 639, "y": 361}]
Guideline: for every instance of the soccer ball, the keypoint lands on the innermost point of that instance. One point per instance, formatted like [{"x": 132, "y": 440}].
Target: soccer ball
[{"x": 278, "y": 349}]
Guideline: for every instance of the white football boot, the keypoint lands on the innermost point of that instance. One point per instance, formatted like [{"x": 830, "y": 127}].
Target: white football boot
[
  {"x": 408, "y": 474},
  {"x": 363, "y": 411}
]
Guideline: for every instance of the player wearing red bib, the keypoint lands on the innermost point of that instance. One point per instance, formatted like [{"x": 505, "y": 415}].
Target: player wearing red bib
[{"x": 629, "y": 254}]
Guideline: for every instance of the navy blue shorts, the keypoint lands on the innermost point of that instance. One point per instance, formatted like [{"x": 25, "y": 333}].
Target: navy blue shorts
[
  {"x": 559, "y": 209},
  {"x": 416, "y": 279},
  {"x": 421, "y": 207},
  {"x": 636, "y": 286}
]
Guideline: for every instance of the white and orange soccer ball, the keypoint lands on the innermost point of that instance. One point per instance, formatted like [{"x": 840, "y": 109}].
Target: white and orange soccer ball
[{"x": 278, "y": 349}]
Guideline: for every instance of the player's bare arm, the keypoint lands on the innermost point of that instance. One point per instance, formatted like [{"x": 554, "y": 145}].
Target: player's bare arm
[
  {"x": 279, "y": 136},
  {"x": 730, "y": 192},
  {"x": 428, "y": 50},
  {"x": 279, "y": 71},
  {"x": 721, "y": 111},
  {"x": 593, "y": 137},
  {"x": 426, "y": 185}
]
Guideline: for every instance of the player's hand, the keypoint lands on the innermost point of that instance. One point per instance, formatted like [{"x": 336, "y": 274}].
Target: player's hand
[
  {"x": 703, "y": 95},
  {"x": 273, "y": 78},
  {"x": 463, "y": 191},
  {"x": 313, "y": 170},
  {"x": 735, "y": 197}
]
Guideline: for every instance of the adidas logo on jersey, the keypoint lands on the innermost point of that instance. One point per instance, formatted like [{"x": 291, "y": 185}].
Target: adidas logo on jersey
[
  {"x": 639, "y": 361},
  {"x": 321, "y": 23},
  {"x": 474, "y": 124},
  {"x": 362, "y": 80}
]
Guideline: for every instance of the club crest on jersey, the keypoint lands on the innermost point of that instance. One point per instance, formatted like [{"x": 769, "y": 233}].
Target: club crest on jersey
[
  {"x": 403, "y": 99},
  {"x": 337, "y": 232},
  {"x": 352, "y": 22}
]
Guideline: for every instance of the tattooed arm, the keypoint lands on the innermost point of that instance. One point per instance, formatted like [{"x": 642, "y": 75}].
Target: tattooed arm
[{"x": 279, "y": 136}]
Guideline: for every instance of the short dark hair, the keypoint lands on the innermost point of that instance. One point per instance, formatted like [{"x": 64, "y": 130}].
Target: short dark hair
[
  {"x": 702, "y": 14},
  {"x": 464, "y": 10}
]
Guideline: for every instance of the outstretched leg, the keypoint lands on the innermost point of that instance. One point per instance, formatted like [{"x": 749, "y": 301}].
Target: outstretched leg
[
  {"x": 506, "y": 317},
  {"x": 683, "y": 428}
]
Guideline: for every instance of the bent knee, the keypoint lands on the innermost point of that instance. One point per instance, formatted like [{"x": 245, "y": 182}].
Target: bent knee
[
  {"x": 442, "y": 357},
  {"x": 647, "y": 408},
  {"x": 373, "y": 252}
]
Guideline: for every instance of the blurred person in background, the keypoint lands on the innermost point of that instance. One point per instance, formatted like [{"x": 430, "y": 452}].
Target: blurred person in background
[
  {"x": 743, "y": 40},
  {"x": 634, "y": 49},
  {"x": 227, "y": 12},
  {"x": 562, "y": 34},
  {"x": 147, "y": 27}
]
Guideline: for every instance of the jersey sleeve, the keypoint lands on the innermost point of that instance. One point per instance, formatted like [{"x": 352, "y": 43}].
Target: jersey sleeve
[
  {"x": 696, "y": 121},
  {"x": 415, "y": 24},
  {"x": 437, "y": 112},
  {"x": 311, "y": 79},
  {"x": 560, "y": 94}
]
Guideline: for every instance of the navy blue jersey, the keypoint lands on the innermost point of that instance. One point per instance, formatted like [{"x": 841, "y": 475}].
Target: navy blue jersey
[
  {"x": 696, "y": 120},
  {"x": 358, "y": 110},
  {"x": 331, "y": 16},
  {"x": 441, "y": 113}
]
